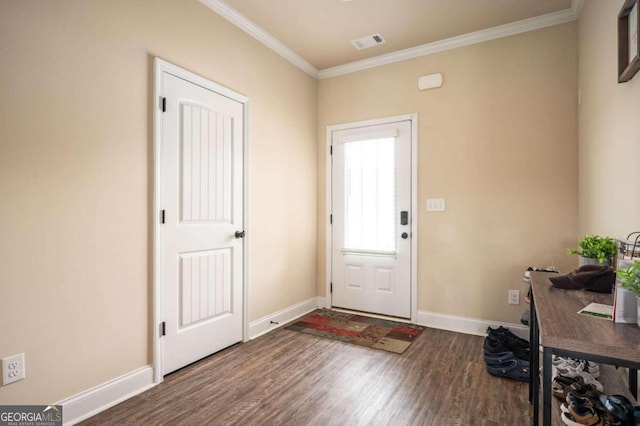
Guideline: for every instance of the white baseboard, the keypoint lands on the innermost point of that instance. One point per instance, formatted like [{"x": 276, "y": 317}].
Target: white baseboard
[
  {"x": 466, "y": 325},
  {"x": 91, "y": 402},
  {"x": 264, "y": 325},
  {"x": 322, "y": 302}
]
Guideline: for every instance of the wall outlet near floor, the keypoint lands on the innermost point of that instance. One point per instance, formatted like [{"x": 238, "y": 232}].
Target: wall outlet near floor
[
  {"x": 13, "y": 369},
  {"x": 514, "y": 297}
]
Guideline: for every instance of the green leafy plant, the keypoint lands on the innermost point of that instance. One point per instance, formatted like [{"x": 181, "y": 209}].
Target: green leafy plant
[
  {"x": 596, "y": 247},
  {"x": 630, "y": 278}
]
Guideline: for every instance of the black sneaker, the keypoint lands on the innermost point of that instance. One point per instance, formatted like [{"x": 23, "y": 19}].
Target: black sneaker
[
  {"x": 498, "y": 341},
  {"x": 494, "y": 346},
  {"x": 507, "y": 337}
]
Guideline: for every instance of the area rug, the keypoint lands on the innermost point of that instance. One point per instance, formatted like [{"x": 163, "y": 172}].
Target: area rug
[{"x": 371, "y": 332}]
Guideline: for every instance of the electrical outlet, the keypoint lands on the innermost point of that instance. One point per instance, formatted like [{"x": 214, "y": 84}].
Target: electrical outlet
[
  {"x": 13, "y": 369},
  {"x": 514, "y": 297}
]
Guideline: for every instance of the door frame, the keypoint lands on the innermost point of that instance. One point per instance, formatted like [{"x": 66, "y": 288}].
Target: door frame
[
  {"x": 413, "y": 119},
  {"x": 161, "y": 66}
]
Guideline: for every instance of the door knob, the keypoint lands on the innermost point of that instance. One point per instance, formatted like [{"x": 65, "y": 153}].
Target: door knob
[
  {"x": 239, "y": 234},
  {"x": 404, "y": 235}
]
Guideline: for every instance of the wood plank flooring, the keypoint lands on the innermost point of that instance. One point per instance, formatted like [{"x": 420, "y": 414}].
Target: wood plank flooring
[{"x": 290, "y": 378}]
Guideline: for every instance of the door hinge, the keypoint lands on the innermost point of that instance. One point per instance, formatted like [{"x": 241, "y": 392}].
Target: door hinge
[
  {"x": 331, "y": 288},
  {"x": 161, "y": 216},
  {"x": 163, "y": 105},
  {"x": 330, "y": 219},
  {"x": 163, "y": 328},
  {"x": 330, "y": 149}
]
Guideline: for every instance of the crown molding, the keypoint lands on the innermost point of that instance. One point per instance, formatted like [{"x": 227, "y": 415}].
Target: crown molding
[
  {"x": 576, "y": 7},
  {"x": 488, "y": 34},
  {"x": 260, "y": 34},
  {"x": 493, "y": 33}
]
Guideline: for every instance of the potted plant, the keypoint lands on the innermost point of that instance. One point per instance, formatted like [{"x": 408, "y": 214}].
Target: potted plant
[
  {"x": 595, "y": 249},
  {"x": 630, "y": 280}
]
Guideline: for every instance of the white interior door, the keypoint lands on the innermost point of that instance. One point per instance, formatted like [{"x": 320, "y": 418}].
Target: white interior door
[
  {"x": 371, "y": 228},
  {"x": 201, "y": 198}
]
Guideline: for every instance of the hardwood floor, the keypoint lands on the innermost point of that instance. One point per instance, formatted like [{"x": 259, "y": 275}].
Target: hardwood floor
[{"x": 290, "y": 378}]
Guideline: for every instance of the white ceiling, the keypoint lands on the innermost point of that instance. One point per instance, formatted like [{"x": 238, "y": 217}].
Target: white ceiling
[{"x": 316, "y": 34}]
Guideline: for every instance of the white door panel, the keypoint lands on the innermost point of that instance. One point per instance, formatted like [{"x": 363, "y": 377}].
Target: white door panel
[
  {"x": 201, "y": 194},
  {"x": 371, "y": 248}
]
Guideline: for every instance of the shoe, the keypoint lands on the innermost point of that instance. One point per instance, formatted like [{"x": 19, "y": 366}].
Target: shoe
[
  {"x": 572, "y": 367},
  {"x": 581, "y": 415},
  {"x": 573, "y": 398},
  {"x": 619, "y": 407},
  {"x": 507, "y": 336},
  {"x": 604, "y": 419},
  {"x": 501, "y": 339},
  {"x": 587, "y": 378},
  {"x": 590, "y": 380},
  {"x": 589, "y": 367},
  {"x": 501, "y": 358},
  {"x": 561, "y": 386},
  {"x": 494, "y": 345},
  {"x": 513, "y": 369}
]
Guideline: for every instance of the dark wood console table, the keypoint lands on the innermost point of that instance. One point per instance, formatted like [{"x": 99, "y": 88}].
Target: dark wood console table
[{"x": 560, "y": 330}]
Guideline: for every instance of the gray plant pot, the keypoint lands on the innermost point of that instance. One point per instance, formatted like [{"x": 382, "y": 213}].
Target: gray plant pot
[{"x": 592, "y": 261}]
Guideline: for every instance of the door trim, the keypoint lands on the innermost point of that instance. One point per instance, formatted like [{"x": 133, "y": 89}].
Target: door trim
[
  {"x": 413, "y": 119},
  {"x": 161, "y": 66}
]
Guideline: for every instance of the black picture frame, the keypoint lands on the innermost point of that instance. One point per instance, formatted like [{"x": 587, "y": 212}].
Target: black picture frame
[{"x": 628, "y": 46}]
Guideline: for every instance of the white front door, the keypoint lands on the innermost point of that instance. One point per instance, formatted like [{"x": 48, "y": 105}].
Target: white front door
[
  {"x": 371, "y": 225},
  {"x": 201, "y": 202}
]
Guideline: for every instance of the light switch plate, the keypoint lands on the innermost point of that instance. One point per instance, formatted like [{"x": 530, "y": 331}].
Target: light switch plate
[{"x": 435, "y": 204}]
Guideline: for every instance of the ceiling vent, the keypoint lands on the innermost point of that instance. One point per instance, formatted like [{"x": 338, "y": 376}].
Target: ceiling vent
[{"x": 368, "y": 41}]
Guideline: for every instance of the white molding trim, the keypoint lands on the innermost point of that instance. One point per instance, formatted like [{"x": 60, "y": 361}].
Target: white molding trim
[
  {"x": 246, "y": 170},
  {"x": 413, "y": 119},
  {"x": 576, "y": 7},
  {"x": 322, "y": 302},
  {"x": 466, "y": 325},
  {"x": 92, "y": 401},
  {"x": 488, "y": 34},
  {"x": 493, "y": 33},
  {"x": 328, "y": 234},
  {"x": 161, "y": 66},
  {"x": 99, "y": 398},
  {"x": 260, "y": 34},
  {"x": 264, "y": 325},
  {"x": 414, "y": 217}
]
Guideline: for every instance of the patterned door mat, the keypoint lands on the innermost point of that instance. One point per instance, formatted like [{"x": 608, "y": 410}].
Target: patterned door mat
[{"x": 374, "y": 333}]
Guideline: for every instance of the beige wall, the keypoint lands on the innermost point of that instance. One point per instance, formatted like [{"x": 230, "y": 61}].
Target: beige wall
[
  {"x": 609, "y": 128},
  {"x": 75, "y": 190},
  {"x": 499, "y": 142}
]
